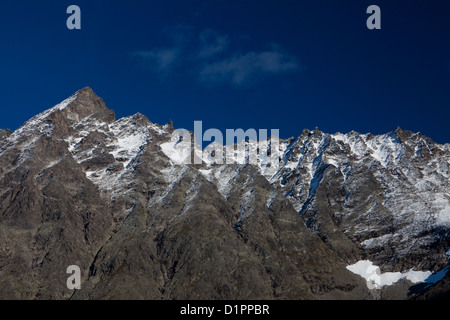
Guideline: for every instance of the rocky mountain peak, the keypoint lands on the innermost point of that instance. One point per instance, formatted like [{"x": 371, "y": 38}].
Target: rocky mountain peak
[
  {"x": 83, "y": 104},
  {"x": 403, "y": 135}
]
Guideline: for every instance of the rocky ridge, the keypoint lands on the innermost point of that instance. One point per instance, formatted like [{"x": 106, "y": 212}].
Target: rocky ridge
[{"x": 78, "y": 187}]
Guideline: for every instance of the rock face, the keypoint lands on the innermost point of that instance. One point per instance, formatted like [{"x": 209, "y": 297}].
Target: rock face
[{"x": 78, "y": 187}]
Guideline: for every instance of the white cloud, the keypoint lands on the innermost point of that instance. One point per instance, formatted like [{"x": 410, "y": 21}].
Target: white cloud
[
  {"x": 208, "y": 58},
  {"x": 212, "y": 43},
  {"x": 244, "y": 69},
  {"x": 161, "y": 60}
]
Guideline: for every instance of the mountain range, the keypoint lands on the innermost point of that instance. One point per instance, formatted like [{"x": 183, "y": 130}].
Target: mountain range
[{"x": 339, "y": 216}]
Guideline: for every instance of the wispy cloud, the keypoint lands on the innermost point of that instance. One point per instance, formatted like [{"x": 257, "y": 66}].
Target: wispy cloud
[
  {"x": 212, "y": 43},
  {"x": 207, "y": 56},
  {"x": 160, "y": 60},
  {"x": 163, "y": 60},
  {"x": 247, "y": 68}
]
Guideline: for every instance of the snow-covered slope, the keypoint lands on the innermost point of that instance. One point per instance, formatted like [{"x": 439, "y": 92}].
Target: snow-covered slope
[
  {"x": 393, "y": 190},
  {"x": 411, "y": 170}
]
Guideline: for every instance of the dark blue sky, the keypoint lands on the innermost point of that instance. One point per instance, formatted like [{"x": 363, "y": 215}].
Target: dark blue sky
[{"x": 284, "y": 65}]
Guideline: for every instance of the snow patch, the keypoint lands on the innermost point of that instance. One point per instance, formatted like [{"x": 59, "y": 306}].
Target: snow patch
[
  {"x": 375, "y": 279},
  {"x": 176, "y": 151},
  {"x": 129, "y": 145},
  {"x": 207, "y": 173},
  {"x": 53, "y": 163},
  {"x": 271, "y": 198}
]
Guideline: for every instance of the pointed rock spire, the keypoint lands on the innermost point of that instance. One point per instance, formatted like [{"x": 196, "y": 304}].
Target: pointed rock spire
[{"x": 87, "y": 103}]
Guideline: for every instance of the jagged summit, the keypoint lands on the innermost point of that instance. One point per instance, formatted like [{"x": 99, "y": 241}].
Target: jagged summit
[
  {"x": 85, "y": 103},
  {"x": 86, "y": 90}
]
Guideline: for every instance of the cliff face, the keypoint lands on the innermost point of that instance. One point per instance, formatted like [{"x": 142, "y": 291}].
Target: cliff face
[{"x": 78, "y": 187}]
